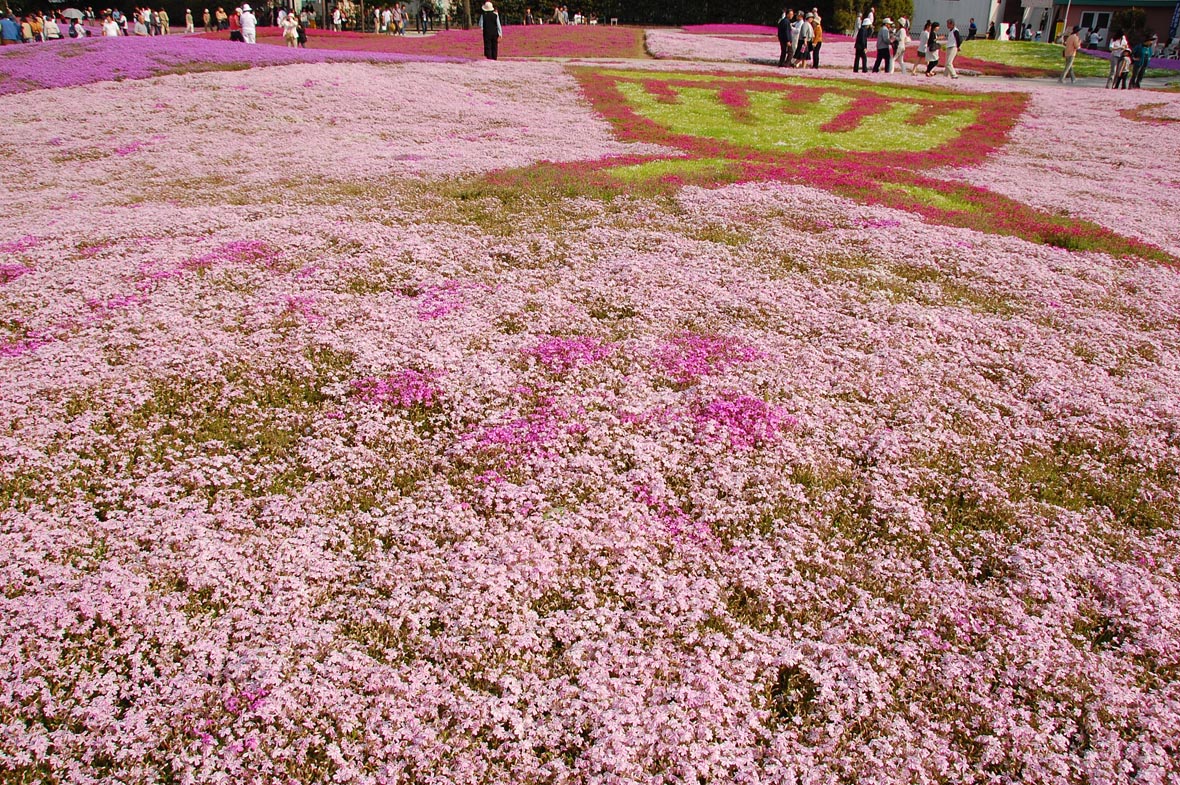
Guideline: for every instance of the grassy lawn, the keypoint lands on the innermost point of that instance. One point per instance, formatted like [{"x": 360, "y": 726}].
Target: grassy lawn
[{"x": 1039, "y": 57}]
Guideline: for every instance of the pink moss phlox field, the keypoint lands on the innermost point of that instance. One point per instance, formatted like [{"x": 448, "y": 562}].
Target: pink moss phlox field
[
  {"x": 406, "y": 388},
  {"x": 747, "y": 421},
  {"x": 583, "y": 41},
  {"x": 729, "y": 29},
  {"x": 561, "y": 354},
  {"x": 10, "y": 272},
  {"x": 688, "y": 356},
  {"x": 328, "y": 457},
  {"x": 103, "y": 59}
]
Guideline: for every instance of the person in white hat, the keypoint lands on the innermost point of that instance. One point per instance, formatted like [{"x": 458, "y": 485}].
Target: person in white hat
[
  {"x": 249, "y": 24},
  {"x": 901, "y": 39},
  {"x": 884, "y": 46},
  {"x": 489, "y": 22},
  {"x": 860, "y": 48}
]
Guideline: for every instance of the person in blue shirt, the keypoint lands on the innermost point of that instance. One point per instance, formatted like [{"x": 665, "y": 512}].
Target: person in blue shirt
[
  {"x": 9, "y": 31},
  {"x": 1143, "y": 58}
]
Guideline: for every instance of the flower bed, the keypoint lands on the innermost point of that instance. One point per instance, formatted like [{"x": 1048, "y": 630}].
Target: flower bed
[
  {"x": 582, "y": 41},
  {"x": 349, "y": 436},
  {"x": 71, "y": 63}
]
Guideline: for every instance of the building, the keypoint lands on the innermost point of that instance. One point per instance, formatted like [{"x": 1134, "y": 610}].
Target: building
[
  {"x": 1096, "y": 15},
  {"x": 961, "y": 11}
]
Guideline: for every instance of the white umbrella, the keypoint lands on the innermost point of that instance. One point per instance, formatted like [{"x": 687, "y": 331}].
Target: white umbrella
[{"x": 73, "y": 13}]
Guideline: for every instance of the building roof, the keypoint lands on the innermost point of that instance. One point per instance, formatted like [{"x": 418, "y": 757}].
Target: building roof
[{"x": 1117, "y": 3}]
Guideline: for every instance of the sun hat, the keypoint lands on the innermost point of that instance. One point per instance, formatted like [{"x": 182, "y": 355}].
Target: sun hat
[
  {"x": 886, "y": 21},
  {"x": 246, "y": 6},
  {"x": 488, "y": 6}
]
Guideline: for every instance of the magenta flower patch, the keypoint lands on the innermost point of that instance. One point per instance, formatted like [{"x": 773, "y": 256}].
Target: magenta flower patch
[
  {"x": 688, "y": 356},
  {"x": 562, "y": 354},
  {"x": 746, "y": 421},
  {"x": 405, "y": 389}
]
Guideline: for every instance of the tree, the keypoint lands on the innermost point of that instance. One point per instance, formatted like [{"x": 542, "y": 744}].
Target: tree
[
  {"x": 1131, "y": 22},
  {"x": 844, "y": 12}
]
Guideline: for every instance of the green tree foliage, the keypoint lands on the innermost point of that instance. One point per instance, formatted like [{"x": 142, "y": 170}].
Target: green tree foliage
[
  {"x": 686, "y": 12},
  {"x": 844, "y": 13},
  {"x": 1132, "y": 22}
]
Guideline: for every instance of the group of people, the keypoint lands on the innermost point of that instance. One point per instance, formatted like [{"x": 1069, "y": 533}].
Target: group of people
[
  {"x": 1128, "y": 63},
  {"x": 1013, "y": 32},
  {"x": 242, "y": 23},
  {"x": 392, "y": 19},
  {"x": 891, "y": 39},
  {"x": 36, "y": 26},
  {"x": 800, "y": 37}
]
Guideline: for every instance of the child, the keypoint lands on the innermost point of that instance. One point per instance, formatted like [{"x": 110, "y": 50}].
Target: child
[{"x": 1122, "y": 70}]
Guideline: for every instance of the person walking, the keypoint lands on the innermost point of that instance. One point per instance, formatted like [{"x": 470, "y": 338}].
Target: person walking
[
  {"x": 793, "y": 47},
  {"x": 207, "y": 18},
  {"x": 784, "y": 37},
  {"x": 249, "y": 23},
  {"x": 1117, "y": 46},
  {"x": 817, "y": 37},
  {"x": 806, "y": 35},
  {"x": 921, "y": 48},
  {"x": 902, "y": 39},
  {"x": 489, "y": 22},
  {"x": 972, "y": 30},
  {"x": 860, "y": 48},
  {"x": 1142, "y": 60},
  {"x": 884, "y": 46},
  {"x": 954, "y": 39},
  {"x": 189, "y": 27},
  {"x": 1072, "y": 44},
  {"x": 932, "y": 49}
]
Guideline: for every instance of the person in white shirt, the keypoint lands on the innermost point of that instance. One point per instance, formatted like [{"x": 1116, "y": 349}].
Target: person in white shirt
[
  {"x": 902, "y": 36},
  {"x": 110, "y": 28},
  {"x": 954, "y": 39},
  {"x": 290, "y": 27},
  {"x": 249, "y": 24},
  {"x": 1116, "y": 55}
]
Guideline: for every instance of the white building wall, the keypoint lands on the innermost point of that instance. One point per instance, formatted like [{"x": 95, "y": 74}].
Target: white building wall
[{"x": 959, "y": 10}]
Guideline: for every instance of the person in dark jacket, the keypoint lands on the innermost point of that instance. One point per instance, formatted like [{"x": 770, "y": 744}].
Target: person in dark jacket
[
  {"x": 860, "y": 60},
  {"x": 784, "y": 36},
  {"x": 1143, "y": 54},
  {"x": 489, "y": 22}
]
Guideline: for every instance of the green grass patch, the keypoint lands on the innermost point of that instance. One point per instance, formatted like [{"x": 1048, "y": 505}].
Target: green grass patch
[{"x": 1040, "y": 57}]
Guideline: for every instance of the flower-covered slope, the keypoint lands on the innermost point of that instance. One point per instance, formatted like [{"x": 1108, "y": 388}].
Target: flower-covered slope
[
  {"x": 70, "y": 63},
  {"x": 313, "y": 471}
]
